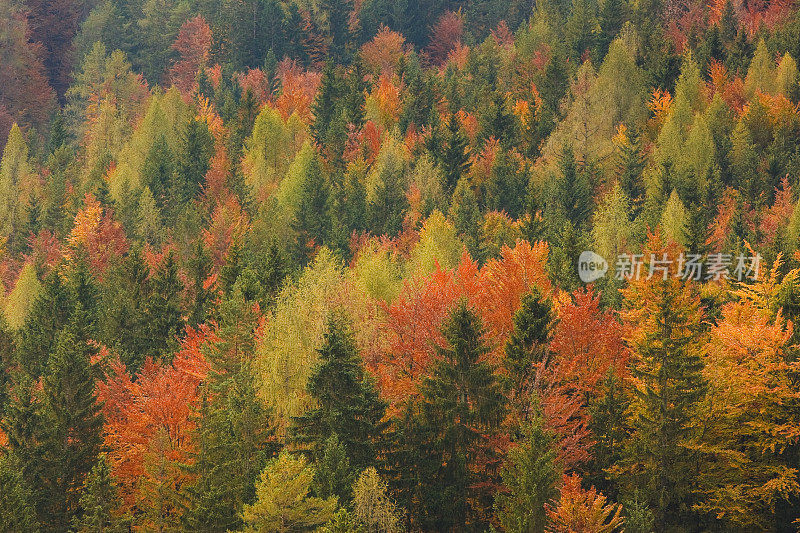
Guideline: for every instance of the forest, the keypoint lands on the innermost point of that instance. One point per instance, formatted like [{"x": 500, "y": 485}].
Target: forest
[{"x": 383, "y": 266}]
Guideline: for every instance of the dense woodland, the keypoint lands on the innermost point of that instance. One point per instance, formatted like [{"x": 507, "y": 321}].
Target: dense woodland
[{"x": 311, "y": 265}]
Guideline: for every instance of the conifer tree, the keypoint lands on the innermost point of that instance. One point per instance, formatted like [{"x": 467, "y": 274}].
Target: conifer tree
[
  {"x": 157, "y": 170},
  {"x": 14, "y": 171},
  {"x": 531, "y": 474},
  {"x": 455, "y": 154},
  {"x": 196, "y": 146},
  {"x": 527, "y": 344},
  {"x": 234, "y": 435},
  {"x": 283, "y": 502},
  {"x": 72, "y": 429},
  {"x": 163, "y": 308},
  {"x": 17, "y": 511},
  {"x": 325, "y": 105},
  {"x": 99, "y": 502},
  {"x": 334, "y": 477},
  {"x": 50, "y": 312},
  {"x": 462, "y": 405},
  {"x": 666, "y": 328},
  {"x": 313, "y": 216},
  {"x": 347, "y": 399}
]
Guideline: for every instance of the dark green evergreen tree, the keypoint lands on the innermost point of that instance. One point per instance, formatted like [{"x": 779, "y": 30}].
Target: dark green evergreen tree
[
  {"x": 531, "y": 474},
  {"x": 455, "y": 154},
  {"x": 157, "y": 170},
  {"x": 527, "y": 345},
  {"x": 196, "y": 146},
  {"x": 334, "y": 476},
  {"x": 17, "y": 512},
  {"x": 463, "y": 404},
  {"x": 163, "y": 308},
  {"x": 313, "y": 221},
  {"x": 347, "y": 401},
  {"x": 71, "y": 429},
  {"x": 99, "y": 502},
  {"x": 50, "y": 312},
  {"x": 235, "y": 437}
]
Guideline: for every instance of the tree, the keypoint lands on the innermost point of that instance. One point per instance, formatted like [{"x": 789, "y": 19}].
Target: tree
[
  {"x": 17, "y": 511},
  {"x": 313, "y": 222},
  {"x": 455, "y": 155},
  {"x": 583, "y": 510},
  {"x": 21, "y": 298},
  {"x": 283, "y": 502},
  {"x": 664, "y": 318},
  {"x": 163, "y": 308},
  {"x": 72, "y": 424},
  {"x": 462, "y": 407},
  {"x": 193, "y": 45},
  {"x": 348, "y": 404},
  {"x": 527, "y": 347},
  {"x": 50, "y": 312},
  {"x": 334, "y": 475},
  {"x": 234, "y": 436},
  {"x": 99, "y": 502},
  {"x": 15, "y": 176},
  {"x": 373, "y": 510},
  {"x": 531, "y": 475}
]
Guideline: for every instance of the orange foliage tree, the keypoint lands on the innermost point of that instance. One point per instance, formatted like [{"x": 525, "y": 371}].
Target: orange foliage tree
[
  {"x": 193, "y": 46},
  {"x": 149, "y": 428}
]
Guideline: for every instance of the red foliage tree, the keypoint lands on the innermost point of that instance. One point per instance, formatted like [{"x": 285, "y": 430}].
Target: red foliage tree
[
  {"x": 193, "y": 45},
  {"x": 445, "y": 36}
]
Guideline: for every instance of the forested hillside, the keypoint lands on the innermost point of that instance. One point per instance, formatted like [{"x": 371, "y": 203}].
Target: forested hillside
[{"x": 360, "y": 266}]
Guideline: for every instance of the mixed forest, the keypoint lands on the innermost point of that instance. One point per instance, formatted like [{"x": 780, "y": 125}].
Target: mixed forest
[{"x": 312, "y": 265}]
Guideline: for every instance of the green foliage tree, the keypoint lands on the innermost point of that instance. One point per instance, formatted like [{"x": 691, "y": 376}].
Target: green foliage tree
[
  {"x": 462, "y": 405},
  {"x": 17, "y": 511},
  {"x": 531, "y": 474},
  {"x": 283, "y": 502},
  {"x": 99, "y": 502},
  {"x": 347, "y": 399},
  {"x": 235, "y": 434},
  {"x": 454, "y": 158}
]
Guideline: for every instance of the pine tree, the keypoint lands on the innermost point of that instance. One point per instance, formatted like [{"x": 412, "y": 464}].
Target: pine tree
[
  {"x": 325, "y": 105},
  {"x": 462, "y": 405},
  {"x": 334, "y": 477},
  {"x": 234, "y": 434},
  {"x": 201, "y": 266},
  {"x": 455, "y": 154},
  {"x": 666, "y": 327},
  {"x": 347, "y": 399},
  {"x": 196, "y": 146},
  {"x": 17, "y": 511},
  {"x": 158, "y": 169},
  {"x": 50, "y": 312},
  {"x": 163, "y": 308},
  {"x": 531, "y": 474},
  {"x": 574, "y": 189},
  {"x": 283, "y": 502},
  {"x": 125, "y": 324},
  {"x": 313, "y": 216},
  {"x": 72, "y": 429},
  {"x": 527, "y": 345},
  {"x": 99, "y": 502}
]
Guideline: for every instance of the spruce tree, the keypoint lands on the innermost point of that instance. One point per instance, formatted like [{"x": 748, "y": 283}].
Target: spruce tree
[
  {"x": 234, "y": 435},
  {"x": 72, "y": 429},
  {"x": 666, "y": 335},
  {"x": 531, "y": 474},
  {"x": 99, "y": 502},
  {"x": 196, "y": 146},
  {"x": 313, "y": 216},
  {"x": 325, "y": 105},
  {"x": 463, "y": 404},
  {"x": 157, "y": 170},
  {"x": 455, "y": 155},
  {"x": 163, "y": 308},
  {"x": 527, "y": 344},
  {"x": 49, "y": 313},
  {"x": 17, "y": 511},
  {"x": 334, "y": 476},
  {"x": 347, "y": 402}
]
